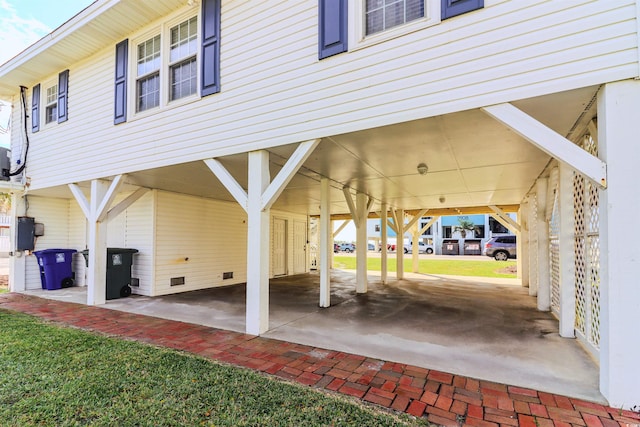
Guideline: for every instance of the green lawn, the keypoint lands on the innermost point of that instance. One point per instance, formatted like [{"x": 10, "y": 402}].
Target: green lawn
[
  {"x": 436, "y": 266},
  {"x": 53, "y": 376}
]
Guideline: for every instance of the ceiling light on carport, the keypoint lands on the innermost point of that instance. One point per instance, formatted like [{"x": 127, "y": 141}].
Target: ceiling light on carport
[{"x": 423, "y": 169}]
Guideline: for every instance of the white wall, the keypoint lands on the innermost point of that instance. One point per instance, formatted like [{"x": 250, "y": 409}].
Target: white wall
[
  {"x": 54, "y": 214},
  {"x": 275, "y": 91}
]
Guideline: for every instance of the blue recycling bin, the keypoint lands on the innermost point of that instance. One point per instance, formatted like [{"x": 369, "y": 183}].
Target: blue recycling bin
[{"x": 55, "y": 268}]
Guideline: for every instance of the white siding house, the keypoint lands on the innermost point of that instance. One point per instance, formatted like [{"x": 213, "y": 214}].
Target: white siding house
[{"x": 205, "y": 134}]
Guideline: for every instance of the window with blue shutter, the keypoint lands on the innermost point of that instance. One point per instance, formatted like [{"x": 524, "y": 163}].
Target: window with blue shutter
[
  {"x": 210, "y": 58},
  {"x": 332, "y": 28},
  {"x": 451, "y": 8},
  {"x": 63, "y": 96},
  {"x": 120, "y": 101},
  {"x": 35, "y": 108}
]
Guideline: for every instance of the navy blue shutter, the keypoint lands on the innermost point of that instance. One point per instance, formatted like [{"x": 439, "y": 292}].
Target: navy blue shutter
[
  {"x": 35, "y": 108},
  {"x": 332, "y": 28},
  {"x": 63, "y": 96},
  {"x": 451, "y": 8},
  {"x": 210, "y": 58},
  {"x": 120, "y": 104}
]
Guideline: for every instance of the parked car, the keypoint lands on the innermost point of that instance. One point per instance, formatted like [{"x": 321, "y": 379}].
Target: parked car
[
  {"x": 501, "y": 248},
  {"x": 423, "y": 248},
  {"x": 336, "y": 248},
  {"x": 371, "y": 247},
  {"x": 347, "y": 247}
]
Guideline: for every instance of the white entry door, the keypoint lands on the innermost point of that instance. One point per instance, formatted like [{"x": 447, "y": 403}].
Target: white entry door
[
  {"x": 279, "y": 258},
  {"x": 299, "y": 247}
]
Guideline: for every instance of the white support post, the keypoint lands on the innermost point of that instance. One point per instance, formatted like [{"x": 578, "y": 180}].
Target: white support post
[
  {"x": 362, "y": 204},
  {"x": 257, "y": 315},
  {"x": 383, "y": 243},
  {"x": 415, "y": 253},
  {"x": 399, "y": 220},
  {"x": 326, "y": 246},
  {"x": 567, "y": 253},
  {"x": 523, "y": 245},
  {"x": 96, "y": 211},
  {"x": 544, "y": 278},
  {"x": 618, "y": 130},
  {"x": 97, "y": 245},
  {"x": 17, "y": 260},
  {"x": 532, "y": 250}
]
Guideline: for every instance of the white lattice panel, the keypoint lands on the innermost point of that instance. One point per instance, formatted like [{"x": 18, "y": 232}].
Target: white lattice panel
[
  {"x": 587, "y": 261},
  {"x": 554, "y": 246}
]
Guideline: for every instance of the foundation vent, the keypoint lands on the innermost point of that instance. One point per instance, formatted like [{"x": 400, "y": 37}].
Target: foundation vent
[
  {"x": 177, "y": 281},
  {"x": 227, "y": 275},
  {"x": 135, "y": 281}
]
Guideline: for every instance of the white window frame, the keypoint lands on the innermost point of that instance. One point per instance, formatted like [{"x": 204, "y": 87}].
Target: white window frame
[
  {"x": 45, "y": 104},
  {"x": 357, "y": 26},
  {"x": 146, "y": 75},
  {"x": 164, "y": 30}
]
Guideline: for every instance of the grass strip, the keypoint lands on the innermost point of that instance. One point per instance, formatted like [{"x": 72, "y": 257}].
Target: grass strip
[
  {"x": 55, "y": 376},
  {"x": 435, "y": 266}
]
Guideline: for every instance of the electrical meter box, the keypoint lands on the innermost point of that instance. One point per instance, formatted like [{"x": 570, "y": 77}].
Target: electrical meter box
[
  {"x": 26, "y": 233},
  {"x": 5, "y": 163}
]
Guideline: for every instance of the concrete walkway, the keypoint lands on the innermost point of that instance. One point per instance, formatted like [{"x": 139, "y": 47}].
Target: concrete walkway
[{"x": 443, "y": 398}]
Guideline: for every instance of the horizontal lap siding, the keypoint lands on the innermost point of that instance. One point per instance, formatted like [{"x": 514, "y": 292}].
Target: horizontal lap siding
[
  {"x": 198, "y": 239},
  {"x": 275, "y": 91}
]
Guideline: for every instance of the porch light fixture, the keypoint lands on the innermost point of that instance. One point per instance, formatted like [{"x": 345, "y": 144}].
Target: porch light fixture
[{"x": 423, "y": 169}]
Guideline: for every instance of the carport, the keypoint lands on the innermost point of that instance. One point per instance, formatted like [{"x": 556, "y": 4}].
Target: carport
[{"x": 540, "y": 156}]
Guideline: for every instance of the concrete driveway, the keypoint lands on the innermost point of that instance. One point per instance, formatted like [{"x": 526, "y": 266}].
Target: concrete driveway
[{"x": 469, "y": 326}]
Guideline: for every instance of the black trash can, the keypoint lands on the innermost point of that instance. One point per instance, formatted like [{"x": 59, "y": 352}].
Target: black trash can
[{"x": 119, "y": 262}]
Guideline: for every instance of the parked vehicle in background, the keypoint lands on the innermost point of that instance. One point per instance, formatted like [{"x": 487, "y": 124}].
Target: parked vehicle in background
[
  {"x": 390, "y": 248},
  {"x": 423, "y": 248},
  {"x": 371, "y": 247},
  {"x": 336, "y": 248},
  {"x": 347, "y": 247},
  {"x": 501, "y": 248}
]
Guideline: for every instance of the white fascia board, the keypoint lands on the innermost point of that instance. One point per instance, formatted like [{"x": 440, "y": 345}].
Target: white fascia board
[{"x": 550, "y": 142}]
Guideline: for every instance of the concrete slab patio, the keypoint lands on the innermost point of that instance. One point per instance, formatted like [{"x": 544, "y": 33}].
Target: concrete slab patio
[
  {"x": 468, "y": 326},
  {"x": 443, "y": 398}
]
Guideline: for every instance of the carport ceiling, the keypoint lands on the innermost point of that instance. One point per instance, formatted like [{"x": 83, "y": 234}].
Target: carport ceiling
[{"x": 473, "y": 160}]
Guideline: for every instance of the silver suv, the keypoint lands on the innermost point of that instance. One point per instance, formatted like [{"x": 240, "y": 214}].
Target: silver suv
[{"x": 501, "y": 248}]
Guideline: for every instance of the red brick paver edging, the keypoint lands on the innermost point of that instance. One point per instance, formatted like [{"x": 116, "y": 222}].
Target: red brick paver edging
[{"x": 443, "y": 398}]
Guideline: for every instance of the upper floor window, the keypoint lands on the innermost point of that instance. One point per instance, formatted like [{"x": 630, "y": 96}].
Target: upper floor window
[
  {"x": 51, "y": 104},
  {"x": 183, "y": 69},
  {"x": 171, "y": 63},
  {"x": 381, "y": 15},
  {"x": 148, "y": 74},
  {"x": 167, "y": 65}
]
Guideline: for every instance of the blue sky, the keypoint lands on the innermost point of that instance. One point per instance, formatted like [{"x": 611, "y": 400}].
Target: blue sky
[{"x": 22, "y": 23}]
